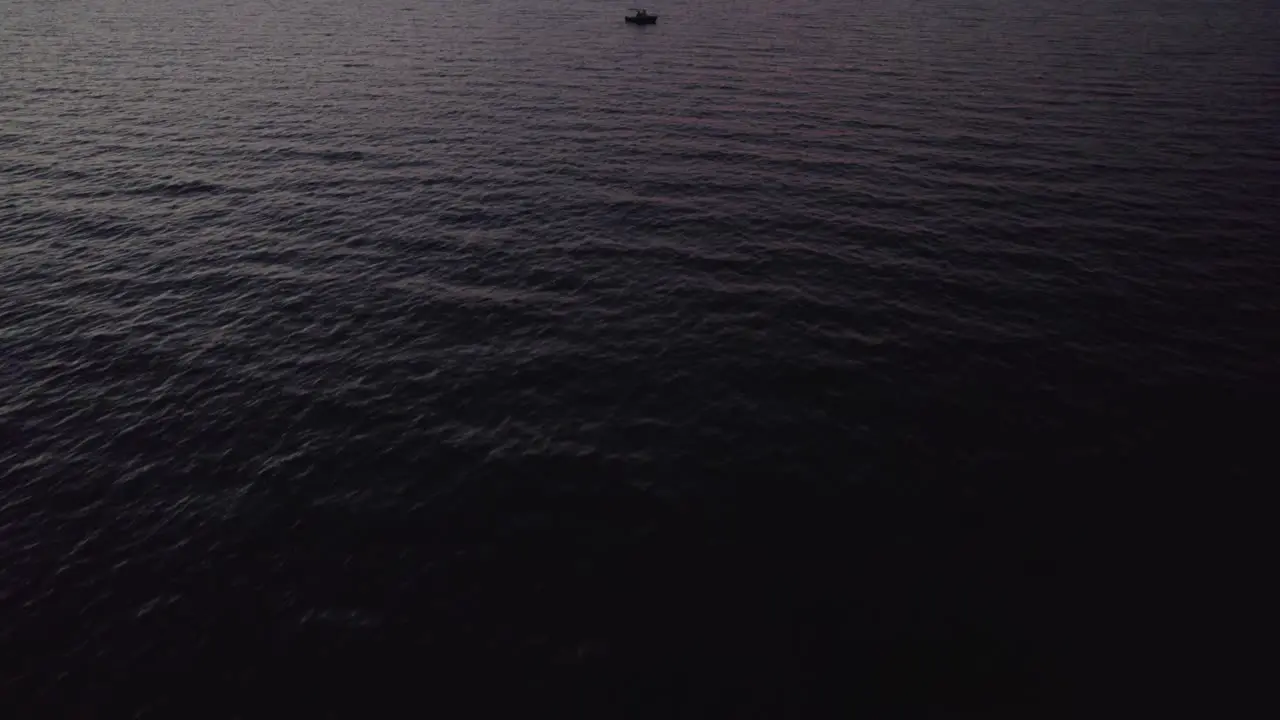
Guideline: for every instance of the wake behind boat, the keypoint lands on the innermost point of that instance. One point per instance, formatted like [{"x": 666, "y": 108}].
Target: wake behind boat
[{"x": 642, "y": 17}]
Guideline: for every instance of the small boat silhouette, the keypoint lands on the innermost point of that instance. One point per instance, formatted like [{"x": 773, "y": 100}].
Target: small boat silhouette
[{"x": 642, "y": 17}]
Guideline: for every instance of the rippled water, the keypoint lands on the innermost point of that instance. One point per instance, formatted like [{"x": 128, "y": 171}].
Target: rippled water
[{"x": 734, "y": 362}]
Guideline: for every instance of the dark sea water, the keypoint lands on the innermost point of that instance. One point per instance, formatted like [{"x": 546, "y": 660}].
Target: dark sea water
[{"x": 370, "y": 356}]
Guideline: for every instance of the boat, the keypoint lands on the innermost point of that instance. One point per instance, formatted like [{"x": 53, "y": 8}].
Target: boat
[{"x": 642, "y": 17}]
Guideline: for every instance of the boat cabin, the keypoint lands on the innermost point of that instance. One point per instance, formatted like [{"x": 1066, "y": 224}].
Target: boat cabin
[{"x": 642, "y": 17}]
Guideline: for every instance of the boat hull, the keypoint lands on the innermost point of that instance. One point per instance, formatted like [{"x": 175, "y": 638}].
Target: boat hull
[{"x": 646, "y": 20}]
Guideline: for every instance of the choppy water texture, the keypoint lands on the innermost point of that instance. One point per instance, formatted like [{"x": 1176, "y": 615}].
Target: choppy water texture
[{"x": 353, "y": 351}]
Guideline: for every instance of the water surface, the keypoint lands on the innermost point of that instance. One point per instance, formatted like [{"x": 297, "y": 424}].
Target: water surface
[{"x": 747, "y": 360}]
